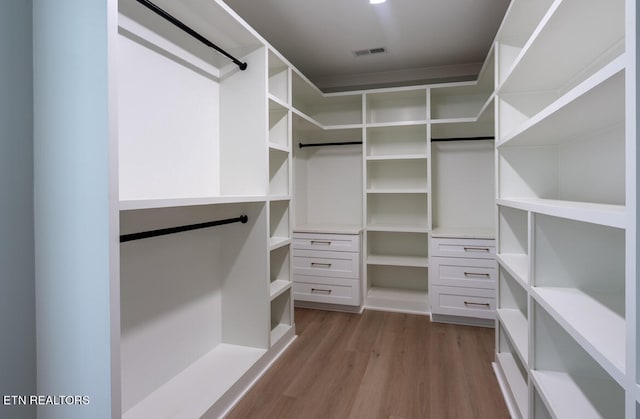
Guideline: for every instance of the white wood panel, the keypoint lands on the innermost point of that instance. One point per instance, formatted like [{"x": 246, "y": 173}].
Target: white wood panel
[{"x": 170, "y": 149}]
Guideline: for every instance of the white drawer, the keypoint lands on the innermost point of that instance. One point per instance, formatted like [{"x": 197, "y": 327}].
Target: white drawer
[
  {"x": 330, "y": 242},
  {"x": 328, "y": 264},
  {"x": 465, "y": 248},
  {"x": 463, "y": 272},
  {"x": 326, "y": 290},
  {"x": 467, "y": 302}
]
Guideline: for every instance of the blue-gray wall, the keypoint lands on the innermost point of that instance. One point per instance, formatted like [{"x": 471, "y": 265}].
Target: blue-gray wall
[
  {"x": 73, "y": 210},
  {"x": 17, "y": 294}
]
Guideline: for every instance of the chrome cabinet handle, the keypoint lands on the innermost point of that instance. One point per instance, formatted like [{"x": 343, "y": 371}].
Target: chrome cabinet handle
[
  {"x": 471, "y": 303},
  {"x": 477, "y": 249},
  {"x": 320, "y": 290},
  {"x": 324, "y": 242},
  {"x": 318, "y": 264},
  {"x": 476, "y": 274}
]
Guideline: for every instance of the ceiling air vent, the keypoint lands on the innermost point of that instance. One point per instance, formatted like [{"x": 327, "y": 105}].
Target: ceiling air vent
[{"x": 370, "y": 51}]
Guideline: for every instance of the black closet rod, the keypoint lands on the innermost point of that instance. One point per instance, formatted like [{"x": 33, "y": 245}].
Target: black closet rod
[
  {"x": 462, "y": 139},
  {"x": 154, "y": 8},
  {"x": 172, "y": 230},
  {"x": 328, "y": 144}
]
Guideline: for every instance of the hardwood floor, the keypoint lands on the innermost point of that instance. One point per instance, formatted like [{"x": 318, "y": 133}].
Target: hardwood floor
[{"x": 378, "y": 365}]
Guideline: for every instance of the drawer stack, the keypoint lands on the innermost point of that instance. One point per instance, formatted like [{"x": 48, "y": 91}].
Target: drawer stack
[
  {"x": 326, "y": 268},
  {"x": 463, "y": 277}
]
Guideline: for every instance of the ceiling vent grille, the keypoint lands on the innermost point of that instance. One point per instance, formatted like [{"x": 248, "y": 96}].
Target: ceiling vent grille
[{"x": 370, "y": 51}]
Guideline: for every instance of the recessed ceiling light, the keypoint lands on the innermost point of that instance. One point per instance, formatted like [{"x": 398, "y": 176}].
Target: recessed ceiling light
[{"x": 376, "y": 1}]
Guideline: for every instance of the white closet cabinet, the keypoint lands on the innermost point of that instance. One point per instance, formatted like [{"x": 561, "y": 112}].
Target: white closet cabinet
[
  {"x": 328, "y": 192},
  {"x": 397, "y": 199},
  {"x": 566, "y": 194},
  {"x": 200, "y": 140},
  {"x": 462, "y": 269}
]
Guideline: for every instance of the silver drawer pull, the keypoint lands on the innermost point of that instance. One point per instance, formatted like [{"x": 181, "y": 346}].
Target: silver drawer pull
[
  {"x": 471, "y": 303},
  {"x": 324, "y": 242},
  {"x": 320, "y": 290},
  {"x": 318, "y": 264},
  {"x": 477, "y": 249},
  {"x": 476, "y": 274}
]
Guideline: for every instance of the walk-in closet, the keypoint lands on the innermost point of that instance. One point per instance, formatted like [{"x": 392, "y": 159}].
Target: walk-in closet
[{"x": 178, "y": 192}]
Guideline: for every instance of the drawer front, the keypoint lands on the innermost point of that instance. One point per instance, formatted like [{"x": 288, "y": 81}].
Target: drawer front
[
  {"x": 326, "y": 290},
  {"x": 465, "y": 248},
  {"x": 467, "y": 302},
  {"x": 328, "y": 264},
  {"x": 330, "y": 242},
  {"x": 463, "y": 272}
]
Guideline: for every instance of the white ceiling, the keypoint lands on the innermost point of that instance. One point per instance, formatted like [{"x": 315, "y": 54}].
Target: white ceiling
[{"x": 426, "y": 40}]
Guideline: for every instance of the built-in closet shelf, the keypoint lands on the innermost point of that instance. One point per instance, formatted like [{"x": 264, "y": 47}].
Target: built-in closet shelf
[
  {"x": 602, "y": 214},
  {"x": 277, "y": 104},
  {"x": 591, "y": 321},
  {"x": 307, "y": 118},
  {"x": 418, "y": 262},
  {"x": 328, "y": 228},
  {"x": 398, "y": 190},
  {"x": 278, "y": 242},
  {"x": 397, "y": 299},
  {"x": 572, "y": 396},
  {"x": 398, "y": 157},
  {"x": 192, "y": 392},
  {"x": 484, "y": 113},
  {"x": 521, "y": 19},
  {"x": 517, "y": 265},
  {"x": 319, "y": 125},
  {"x": 517, "y": 383},
  {"x": 277, "y": 287},
  {"x": 395, "y": 124},
  {"x": 567, "y": 27},
  {"x": 515, "y": 324},
  {"x": 276, "y": 198},
  {"x": 278, "y": 147},
  {"x": 139, "y": 204},
  {"x": 463, "y": 233},
  {"x": 464, "y": 120},
  {"x": 401, "y": 228},
  {"x": 595, "y": 103}
]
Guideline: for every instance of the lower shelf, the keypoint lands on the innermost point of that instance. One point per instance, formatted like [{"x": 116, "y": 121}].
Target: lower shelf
[
  {"x": 516, "y": 326},
  {"x": 400, "y": 300},
  {"x": 192, "y": 392},
  {"x": 516, "y": 383},
  {"x": 591, "y": 320},
  {"x": 570, "y": 396}
]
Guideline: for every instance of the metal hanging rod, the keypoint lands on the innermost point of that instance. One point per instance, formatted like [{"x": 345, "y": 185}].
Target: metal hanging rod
[
  {"x": 172, "y": 230},
  {"x": 462, "y": 139},
  {"x": 328, "y": 144},
  {"x": 154, "y": 8}
]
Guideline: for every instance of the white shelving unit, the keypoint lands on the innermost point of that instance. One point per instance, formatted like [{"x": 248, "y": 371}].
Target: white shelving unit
[
  {"x": 566, "y": 173},
  {"x": 397, "y": 202},
  {"x": 212, "y": 144},
  {"x": 461, "y": 122},
  {"x": 280, "y": 197}
]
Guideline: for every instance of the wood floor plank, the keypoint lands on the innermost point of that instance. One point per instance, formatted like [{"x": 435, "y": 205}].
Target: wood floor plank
[{"x": 378, "y": 365}]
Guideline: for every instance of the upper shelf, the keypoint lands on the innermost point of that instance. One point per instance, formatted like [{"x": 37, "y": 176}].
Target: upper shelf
[
  {"x": 138, "y": 204},
  {"x": 570, "y": 43},
  {"x": 229, "y": 32},
  {"x": 325, "y": 109},
  {"x": 602, "y": 214},
  {"x": 596, "y": 103},
  {"x": 398, "y": 106}
]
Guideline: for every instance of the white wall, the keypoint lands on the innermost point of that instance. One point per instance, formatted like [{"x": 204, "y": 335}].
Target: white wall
[
  {"x": 17, "y": 300},
  {"x": 74, "y": 212}
]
